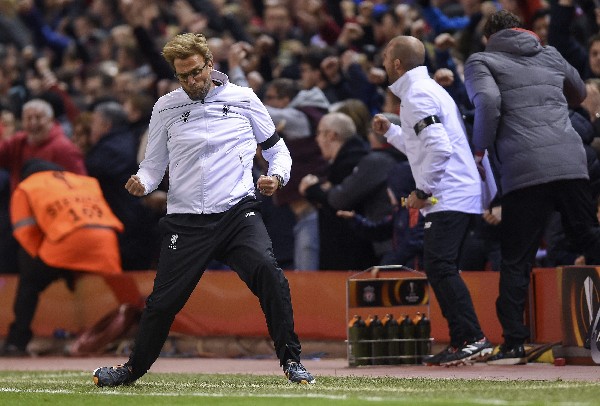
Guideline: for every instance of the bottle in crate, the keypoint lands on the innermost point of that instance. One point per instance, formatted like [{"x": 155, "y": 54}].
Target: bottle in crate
[
  {"x": 392, "y": 332},
  {"x": 379, "y": 346},
  {"x": 359, "y": 350},
  {"x": 423, "y": 333},
  {"x": 369, "y": 345},
  {"x": 408, "y": 347}
]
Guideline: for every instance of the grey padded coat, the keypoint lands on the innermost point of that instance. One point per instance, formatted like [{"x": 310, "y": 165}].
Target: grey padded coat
[{"x": 521, "y": 92}]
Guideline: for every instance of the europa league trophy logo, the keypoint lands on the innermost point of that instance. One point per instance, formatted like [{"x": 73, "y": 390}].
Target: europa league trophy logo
[{"x": 412, "y": 292}]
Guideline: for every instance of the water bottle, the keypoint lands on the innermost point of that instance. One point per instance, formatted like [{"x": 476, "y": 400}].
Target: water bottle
[
  {"x": 379, "y": 346},
  {"x": 392, "y": 332},
  {"x": 408, "y": 347},
  {"x": 369, "y": 322},
  {"x": 359, "y": 350},
  {"x": 423, "y": 333}
]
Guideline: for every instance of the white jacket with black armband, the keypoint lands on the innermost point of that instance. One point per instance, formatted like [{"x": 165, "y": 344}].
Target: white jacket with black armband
[
  {"x": 432, "y": 136},
  {"x": 209, "y": 146}
]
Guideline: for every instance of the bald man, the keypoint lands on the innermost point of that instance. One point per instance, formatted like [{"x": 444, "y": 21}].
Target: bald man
[{"x": 448, "y": 189}]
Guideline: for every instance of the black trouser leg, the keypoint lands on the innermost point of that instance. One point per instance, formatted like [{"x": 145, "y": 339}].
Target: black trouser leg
[
  {"x": 34, "y": 277},
  {"x": 189, "y": 242},
  {"x": 442, "y": 242},
  {"x": 524, "y": 215},
  {"x": 250, "y": 254},
  {"x": 185, "y": 251}
]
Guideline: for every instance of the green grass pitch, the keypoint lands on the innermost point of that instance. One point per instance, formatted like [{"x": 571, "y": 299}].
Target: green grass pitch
[{"x": 76, "y": 388}]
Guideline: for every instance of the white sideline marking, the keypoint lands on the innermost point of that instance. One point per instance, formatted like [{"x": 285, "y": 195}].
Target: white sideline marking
[
  {"x": 290, "y": 396},
  {"x": 307, "y": 395},
  {"x": 174, "y": 394}
]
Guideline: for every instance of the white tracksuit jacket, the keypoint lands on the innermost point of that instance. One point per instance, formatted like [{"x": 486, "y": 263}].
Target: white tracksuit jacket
[
  {"x": 209, "y": 146},
  {"x": 440, "y": 157}
]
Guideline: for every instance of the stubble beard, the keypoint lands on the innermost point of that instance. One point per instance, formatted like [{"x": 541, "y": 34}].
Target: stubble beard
[{"x": 198, "y": 93}]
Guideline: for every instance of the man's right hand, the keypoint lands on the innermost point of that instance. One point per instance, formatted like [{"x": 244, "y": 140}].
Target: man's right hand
[
  {"x": 134, "y": 186},
  {"x": 381, "y": 124}
]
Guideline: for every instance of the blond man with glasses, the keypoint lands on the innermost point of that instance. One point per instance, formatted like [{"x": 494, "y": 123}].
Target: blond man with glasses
[{"x": 207, "y": 132}]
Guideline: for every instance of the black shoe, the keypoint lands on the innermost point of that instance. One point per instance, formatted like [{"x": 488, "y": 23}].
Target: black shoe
[
  {"x": 440, "y": 356},
  {"x": 509, "y": 356},
  {"x": 113, "y": 376},
  {"x": 296, "y": 372},
  {"x": 11, "y": 350},
  {"x": 469, "y": 353}
]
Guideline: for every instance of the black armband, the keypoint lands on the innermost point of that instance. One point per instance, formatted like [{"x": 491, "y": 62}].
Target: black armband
[
  {"x": 269, "y": 142},
  {"x": 426, "y": 122}
]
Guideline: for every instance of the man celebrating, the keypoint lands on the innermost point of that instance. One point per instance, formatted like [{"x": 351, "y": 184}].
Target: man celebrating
[
  {"x": 522, "y": 91},
  {"x": 432, "y": 136},
  {"x": 207, "y": 132}
]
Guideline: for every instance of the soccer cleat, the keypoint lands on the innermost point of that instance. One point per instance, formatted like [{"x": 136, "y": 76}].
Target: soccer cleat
[
  {"x": 296, "y": 373},
  {"x": 11, "y": 350},
  {"x": 112, "y": 376},
  {"x": 440, "y": 356},
  {"x": 509, "y": 356},
  {"x": 469, "y": 353}
]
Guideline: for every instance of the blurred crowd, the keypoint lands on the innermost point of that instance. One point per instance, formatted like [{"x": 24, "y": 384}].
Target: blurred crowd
[{"x": 315, "y": 64}]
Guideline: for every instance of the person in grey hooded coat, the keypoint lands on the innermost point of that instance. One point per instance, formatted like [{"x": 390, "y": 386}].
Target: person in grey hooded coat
[{"x": 521, "y": 91}]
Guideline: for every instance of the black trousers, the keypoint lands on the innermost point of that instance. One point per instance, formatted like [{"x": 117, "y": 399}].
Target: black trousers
[
  {"x": 444, "y": 235},
  {"x": 525, "y": 213},
  {"x": 237, "y": 238},
  {"x": 34, "y": 278}
]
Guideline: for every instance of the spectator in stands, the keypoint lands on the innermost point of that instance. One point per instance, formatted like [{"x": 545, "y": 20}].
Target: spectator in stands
[
  {"x": 297, "y": 113},
  {"x": 532, "y": 107},
  {"x": 8, "y": 245},
  {"x": 591, "y": 107},
  {"x": 466, "y": 27},
  {"x": 523, "y": 9},
  {"x": 358, "y": 111},
  {"x": 540, "y": 24},
  {"x": 316, "y": 22},
  {"x": 144, "y": 19},
  {"x": 13, "y": 94},
  {"x": 432, "y": 135},
  {"x": 365, "y": 189},
  {"x": 347, "y": 79},
  {"x": 138, "y": 107},
  {"x": 41, "y": 137},
  {"x": 12, "y": 30},
  {"x": 8, "y": 123},
  {"x": 584, "y": 57},
  {"x": 64, "y": 226},
  {"x": 340, "y": 248},
  {"x": 312, "y": 75},
  {"x": 82, "y": 132},
  {"x": 278, "y": 24},
  {"x": 404, "y": 226},
  {"x": 111, "y": 159},
  {"x": 97, "y": 87}
]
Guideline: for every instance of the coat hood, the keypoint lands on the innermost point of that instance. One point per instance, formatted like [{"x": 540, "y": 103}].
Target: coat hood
[{"x": 515, "y": 41}]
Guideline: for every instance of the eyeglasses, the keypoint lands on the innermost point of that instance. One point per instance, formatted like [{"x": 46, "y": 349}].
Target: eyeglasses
[{"x": 183, "y": 77}]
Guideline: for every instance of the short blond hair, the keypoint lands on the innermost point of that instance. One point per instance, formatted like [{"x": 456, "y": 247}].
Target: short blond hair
[{"x": 183, "y": 46}]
